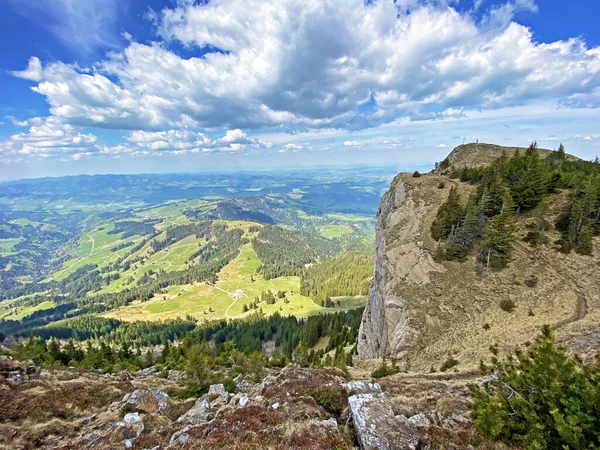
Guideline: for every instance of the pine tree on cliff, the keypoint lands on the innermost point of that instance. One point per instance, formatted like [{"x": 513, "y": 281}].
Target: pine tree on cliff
[
  {"x": 448, "y": 216},
  {"x": 498, "y": 236}
]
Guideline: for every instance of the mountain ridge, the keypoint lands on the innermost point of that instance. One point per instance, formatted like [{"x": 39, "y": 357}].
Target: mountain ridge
[{"x": 424, "y": 312}]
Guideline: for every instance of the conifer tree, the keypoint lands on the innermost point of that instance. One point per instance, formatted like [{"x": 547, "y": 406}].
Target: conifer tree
[
  {"x": 54, "y": 350},
  {"x": 532, "y": 184},
  {"x": 537, "y": 237},
  {"x": 542, "y": 399},
  {"x": 462, "y": 237},
  {"x": 580, "y": 229},
  {"x": 448, "y": 216},
  {"x": 498, "y": 236}
]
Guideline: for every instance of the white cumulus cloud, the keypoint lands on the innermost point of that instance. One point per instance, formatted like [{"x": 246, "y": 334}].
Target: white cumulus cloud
[
  {"x": 316, "y": 64},
  {"x": 50, "y": 137}
]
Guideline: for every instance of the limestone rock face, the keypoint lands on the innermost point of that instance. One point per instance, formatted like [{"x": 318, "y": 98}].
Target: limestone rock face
[{"x": 386, "y": 328}]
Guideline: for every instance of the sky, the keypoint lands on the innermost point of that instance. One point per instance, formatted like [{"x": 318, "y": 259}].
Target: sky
[{"x": 133, "y": 86}]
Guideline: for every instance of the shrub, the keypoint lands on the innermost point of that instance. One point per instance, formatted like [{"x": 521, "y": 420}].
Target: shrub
[
  {"x": 542, "y": 399},
  {"x": 331, "y": 398},
  {"x": 449, "y": 364},
  {"x": 507, "y": 305},
  {"x": 442, "y": 185},
  {"x": 532, "y": 281},
  {"x": 416, "y": 174},
  {"x": 384, "y": 370}
]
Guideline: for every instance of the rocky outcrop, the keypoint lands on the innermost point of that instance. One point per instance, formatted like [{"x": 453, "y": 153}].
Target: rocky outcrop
[
  {"x": 386, "y": 328},
  {"x": 290, "y": 408},
  {"x": 375, "y": 424}
]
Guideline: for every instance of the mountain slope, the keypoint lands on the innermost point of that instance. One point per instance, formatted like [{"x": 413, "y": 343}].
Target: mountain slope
[{"x": 423, "y": 311}]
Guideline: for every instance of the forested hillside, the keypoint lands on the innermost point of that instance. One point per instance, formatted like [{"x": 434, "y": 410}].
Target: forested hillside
[
  {"x": 486, "y": 223},
  {"x": 347, "y": 274}
]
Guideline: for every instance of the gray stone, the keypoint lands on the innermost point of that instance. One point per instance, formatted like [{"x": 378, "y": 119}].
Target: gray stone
[
  {"x": 180, "y": 436},
  {"x": 132, "y": 422},
  {"x": 275, "y": 406},
  {"x": 200, "y": 412},
  {"x": 148, "y": 401},
  {"x": 132, "y": 418},
  {"x": 176, "y": 375},
  {"x": 376, "y": 426},
  {"x": 221, "y": 400},
  {"x": 87, "y": 419},
  {"x": 244, "y": 400},
  {"x": 218, "y": 389},
  {"x": 419, "y": 420},
  {"x": 362, "y": 387}
]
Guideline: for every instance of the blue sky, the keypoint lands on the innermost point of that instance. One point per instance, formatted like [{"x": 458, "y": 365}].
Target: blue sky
[{"x": 124, "y": 86}]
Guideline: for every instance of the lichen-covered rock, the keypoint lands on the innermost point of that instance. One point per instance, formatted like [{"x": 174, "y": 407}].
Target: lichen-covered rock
[
  {"x": 217, "y": 389},
  {"x": 181, "y": 436},
  {"x": 200, "y": 412},
  {"x": 132, "y": 426},
  {"x": 419, "y": 420},
  {"x": 148, "y": 401},
  {"x": 361, "y": 387},
  {"x": 376, "y": 426}
]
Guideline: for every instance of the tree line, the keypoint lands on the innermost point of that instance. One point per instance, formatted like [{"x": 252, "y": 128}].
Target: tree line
[
  {"x": 109, "y": 345},
  {"x": 346, "y": 274},
  {"x": 508, "y": 187}
]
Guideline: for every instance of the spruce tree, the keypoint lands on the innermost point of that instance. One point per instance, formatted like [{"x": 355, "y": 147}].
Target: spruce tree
[
  {"x": 448, "y": 216},
  {"x": 462, "y": 237},
  {"x": 498, "y": 237},
  {"x": 580, "y": 230},
  {"x": 532, "y": 183}
]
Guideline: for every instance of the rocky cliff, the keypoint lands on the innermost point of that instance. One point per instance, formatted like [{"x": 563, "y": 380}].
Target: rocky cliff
[{"x": 425, "y": 313}]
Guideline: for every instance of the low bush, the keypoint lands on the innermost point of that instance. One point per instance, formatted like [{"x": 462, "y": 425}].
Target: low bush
[
  {"x": 507, "y": 305},
  {"x": 449, "y": 364},
  {"x": 331, "y": 398},
  {"x": 385, "y": 370},
  {"x": 545, "y": 398}
]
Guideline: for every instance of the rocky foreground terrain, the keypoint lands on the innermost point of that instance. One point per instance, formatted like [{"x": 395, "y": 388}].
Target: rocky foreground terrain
[{"x": 291, "y": 408}]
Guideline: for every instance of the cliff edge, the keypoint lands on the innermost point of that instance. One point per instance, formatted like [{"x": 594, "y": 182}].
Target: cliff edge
[{"x": 425, "y": 312}]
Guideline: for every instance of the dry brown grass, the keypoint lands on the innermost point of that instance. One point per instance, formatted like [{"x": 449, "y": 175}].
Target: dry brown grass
[
  {"x": 475, "y": 154},
  {"x": 457, "y": 312}
]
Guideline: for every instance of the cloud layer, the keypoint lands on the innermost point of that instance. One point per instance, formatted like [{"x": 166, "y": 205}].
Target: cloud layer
[{"x": 291, "y": 66}]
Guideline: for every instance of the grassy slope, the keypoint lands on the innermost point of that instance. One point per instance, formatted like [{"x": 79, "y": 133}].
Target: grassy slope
[
  {"x": 199, "y": 298},
  {"x": 23, "y": 311},
  {"x": 335, "y": 231},
  {"x": 102, "y": 254}
]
